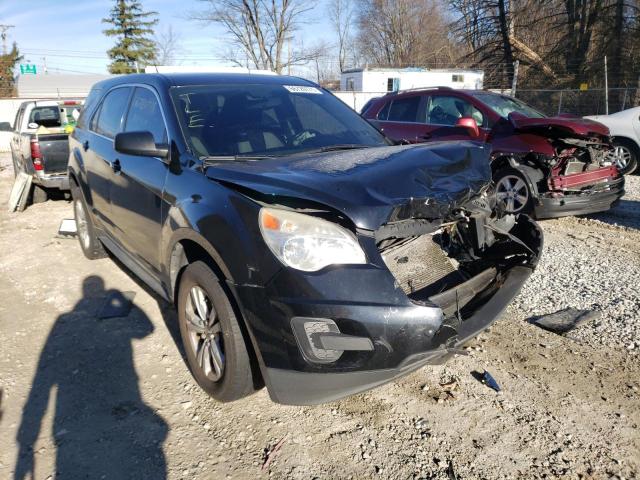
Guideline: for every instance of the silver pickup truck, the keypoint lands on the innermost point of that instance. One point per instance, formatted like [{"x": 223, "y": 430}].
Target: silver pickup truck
[{"x": 40, "y": 145}]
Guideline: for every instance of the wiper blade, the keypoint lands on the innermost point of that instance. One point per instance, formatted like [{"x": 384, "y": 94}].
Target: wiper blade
[
  {"x": 346, "y": 146},
  {"x": 232, "y": 158}
]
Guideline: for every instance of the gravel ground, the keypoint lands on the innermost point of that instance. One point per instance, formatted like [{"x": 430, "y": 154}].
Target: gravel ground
[
  {"x": 593, "y": 263},
  {"x": 88, "y": 398}
]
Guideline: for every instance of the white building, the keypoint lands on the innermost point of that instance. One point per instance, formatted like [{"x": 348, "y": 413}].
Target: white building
[{"x": 382, "y": 80}]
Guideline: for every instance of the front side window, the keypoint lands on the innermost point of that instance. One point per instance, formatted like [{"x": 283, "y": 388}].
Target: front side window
[
  {"x": 109, "y": 117},
  {"x": 145, "y": 115},
  {"x": 447, "y": 110},
  {"x": 267, "y": 120}
]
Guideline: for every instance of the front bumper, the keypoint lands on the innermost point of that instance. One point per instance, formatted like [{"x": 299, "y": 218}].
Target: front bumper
[
  {"x": 310, "y": 388},
  {"x": 592, "y": 201},
  {"x": 364, "y": 302}
]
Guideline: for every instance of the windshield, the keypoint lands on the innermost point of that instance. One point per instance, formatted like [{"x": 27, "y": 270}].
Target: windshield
[
  {"x": 504, "y": 105},
  {"x": 267, "y": 120}
]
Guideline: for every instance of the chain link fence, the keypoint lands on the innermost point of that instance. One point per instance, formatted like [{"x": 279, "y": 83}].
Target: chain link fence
[{"x": 580, "y": 102}]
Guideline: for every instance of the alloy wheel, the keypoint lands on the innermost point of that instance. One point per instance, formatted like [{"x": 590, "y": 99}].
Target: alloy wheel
[
  {"x": 205, "y": 334},
  {"x": 81, "y": 224},
  {"x": 512, "y": 193},
  {"x": 622, "y": 157}
]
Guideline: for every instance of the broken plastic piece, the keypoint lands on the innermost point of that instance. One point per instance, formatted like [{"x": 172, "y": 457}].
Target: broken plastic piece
[
  {"x": 487, "y": 379},
  {"x": 68, "y": 228},
  {"x": 564, "y": 320}
]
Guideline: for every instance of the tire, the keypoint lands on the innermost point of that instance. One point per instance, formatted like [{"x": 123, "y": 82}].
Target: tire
[
  {"x": 512, "y": 191},
  {"x": 89, "y": 242},
  {"x": 626, "y": 155},
  {"x": 199, "y": 296},
  {"x": 39, "y": 194}
]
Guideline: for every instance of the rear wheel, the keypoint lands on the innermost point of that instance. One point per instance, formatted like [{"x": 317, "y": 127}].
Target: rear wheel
[
  {"x": 89, "y": 242},
  {"x": 214, "y": 345},
  {"x": 512, "y": 191},
  {"x": 625, "y": 155},
  {"x": 39, "y": 194}
]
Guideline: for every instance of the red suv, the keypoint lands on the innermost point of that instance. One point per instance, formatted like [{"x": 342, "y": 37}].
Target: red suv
[{"x": 547, "y": 166}]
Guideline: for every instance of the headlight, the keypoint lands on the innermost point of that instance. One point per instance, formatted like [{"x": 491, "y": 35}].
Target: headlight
[{"x": 308, "y": 243}]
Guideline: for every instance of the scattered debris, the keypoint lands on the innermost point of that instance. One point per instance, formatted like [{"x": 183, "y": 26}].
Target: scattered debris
[
  {"x": 487, "y": 379},
  {"x": 117, "y": 304},
  {"x": 20, "y": 192},
  {"x": 271, "y": 454},
  {"x": 67, "y": 228},
  {"x": 564, "y": 320}
]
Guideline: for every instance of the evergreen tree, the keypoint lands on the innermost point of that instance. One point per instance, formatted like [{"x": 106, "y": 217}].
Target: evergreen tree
[
  {"x": 8, "y": 62},
  {"x": 133, "y": 29}
]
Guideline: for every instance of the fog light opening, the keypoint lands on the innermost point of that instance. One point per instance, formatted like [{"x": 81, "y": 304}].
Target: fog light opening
[{"x": 307, "y": 332}]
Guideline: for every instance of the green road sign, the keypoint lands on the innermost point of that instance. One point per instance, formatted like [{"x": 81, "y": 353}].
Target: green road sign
[{"x": 27, "y": 69}]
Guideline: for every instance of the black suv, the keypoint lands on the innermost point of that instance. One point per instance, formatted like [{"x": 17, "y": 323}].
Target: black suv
[{"x": 301, "y": 250}]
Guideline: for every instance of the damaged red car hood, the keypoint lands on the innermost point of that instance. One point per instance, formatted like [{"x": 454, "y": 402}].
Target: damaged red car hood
[
  {"x": 571, "y": 126},
  {"x": 371, "y": 186}
]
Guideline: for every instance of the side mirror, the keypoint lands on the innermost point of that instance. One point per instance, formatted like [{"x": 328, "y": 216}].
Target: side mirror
[
  {"x": 141, "y": 144},
  {"x": 470, "y": 124},
  {"x": 5, "y": 127}
]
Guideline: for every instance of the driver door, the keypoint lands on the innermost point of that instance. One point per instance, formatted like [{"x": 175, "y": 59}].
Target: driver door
[{"x": 444, "y": 111}]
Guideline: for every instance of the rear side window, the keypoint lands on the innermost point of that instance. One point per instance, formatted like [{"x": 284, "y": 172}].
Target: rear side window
[
  {"x": 46, "y": 116},
  {"x": 89, "y": 103},
  {"x": 145, "y": 115},
  {"x": 109, "y": 117},
  {"x": 446, "y": 110},
  {"x": 404, "y": 110}
]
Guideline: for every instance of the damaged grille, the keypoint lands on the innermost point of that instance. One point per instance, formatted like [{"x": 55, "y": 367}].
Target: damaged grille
[{"x": 420, "y": 266}]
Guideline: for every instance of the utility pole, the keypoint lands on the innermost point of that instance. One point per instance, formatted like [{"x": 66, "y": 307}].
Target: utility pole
[
  {"x": 514, "y": 83},
  {"x": 44, "y": 63},
  {"x": 3, "y": 34},
  {"x": 606, "y": 88}
]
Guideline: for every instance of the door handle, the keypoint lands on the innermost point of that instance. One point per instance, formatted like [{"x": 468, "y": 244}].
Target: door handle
[
  {"x": 85, "y": 145},
  {"x": 115, "y": 166},
  {"x": 426, "y": 136}
]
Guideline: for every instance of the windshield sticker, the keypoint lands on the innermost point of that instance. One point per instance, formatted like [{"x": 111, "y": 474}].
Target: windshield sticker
[{"x": 300, "y": 89}]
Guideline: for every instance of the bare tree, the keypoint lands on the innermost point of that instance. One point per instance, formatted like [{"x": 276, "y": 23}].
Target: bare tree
[
  {"x": 341, "y": 17},
  {"x": 261, "y": 30},
  {"x": 167, "y": 43},
  {"x": 403, "y": 32}
]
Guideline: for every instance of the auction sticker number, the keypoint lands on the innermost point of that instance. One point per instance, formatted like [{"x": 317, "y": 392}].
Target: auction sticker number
[{"x": 301, "y": 89}]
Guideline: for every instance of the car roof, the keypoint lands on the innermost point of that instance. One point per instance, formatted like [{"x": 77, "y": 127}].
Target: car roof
[{"x": 167, "y": 80}]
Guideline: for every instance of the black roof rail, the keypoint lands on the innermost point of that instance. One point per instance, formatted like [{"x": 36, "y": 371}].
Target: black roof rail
[{"x": 440, "y": 87}]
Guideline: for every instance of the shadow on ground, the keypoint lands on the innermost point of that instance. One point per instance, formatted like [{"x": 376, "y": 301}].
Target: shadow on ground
[
  {"x": 625, "y": 214},
  {"x": 101, "y": 426}
]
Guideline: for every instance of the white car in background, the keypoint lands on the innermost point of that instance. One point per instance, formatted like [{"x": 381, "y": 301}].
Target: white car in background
[{"x": 625, "y": 132}]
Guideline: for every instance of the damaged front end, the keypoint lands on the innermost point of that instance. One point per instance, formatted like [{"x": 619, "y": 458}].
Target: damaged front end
[
  {"x": 570, "y": 175},
  {"x": 431, "y": 284},
  {"x": 459, "y": 262}
]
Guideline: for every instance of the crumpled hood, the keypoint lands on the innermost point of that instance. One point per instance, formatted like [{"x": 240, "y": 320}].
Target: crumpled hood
[
  {"x": 371, "y": 186},
  {"x": 573, "y": 126}
]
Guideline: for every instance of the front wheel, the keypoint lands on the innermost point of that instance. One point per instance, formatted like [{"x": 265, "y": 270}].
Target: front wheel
[
  {"x": 625, "y": 156},
  {"x": 512, "y": 191},
  {"x": 214, "y": 345}
]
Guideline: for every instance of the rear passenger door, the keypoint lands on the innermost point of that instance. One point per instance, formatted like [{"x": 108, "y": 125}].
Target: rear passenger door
[
  {"x": 402, "y": 118},
  {"x": 99, "y": 154},
  {"x": 137, "y": 187}
]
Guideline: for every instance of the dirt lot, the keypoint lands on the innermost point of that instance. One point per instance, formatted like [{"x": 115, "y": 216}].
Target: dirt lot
[{"x": 89, "y": 398}]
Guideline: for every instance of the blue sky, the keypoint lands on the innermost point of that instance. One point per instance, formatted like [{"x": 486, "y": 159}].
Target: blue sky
[{"x": 68, "y": 33}]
